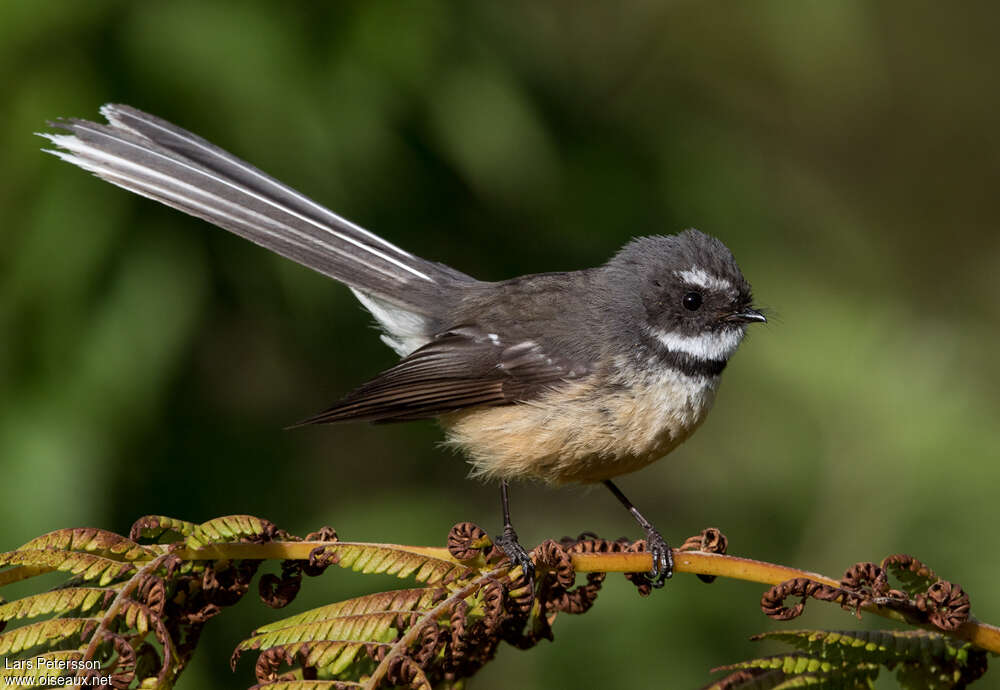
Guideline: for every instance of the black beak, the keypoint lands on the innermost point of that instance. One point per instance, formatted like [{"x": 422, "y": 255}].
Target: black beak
[{"x": 748, "y": 315}]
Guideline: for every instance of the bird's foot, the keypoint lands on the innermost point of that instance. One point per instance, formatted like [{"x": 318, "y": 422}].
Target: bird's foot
[
  {"x": 517, "y": 554},
  {"x": 663, "y": 558}
]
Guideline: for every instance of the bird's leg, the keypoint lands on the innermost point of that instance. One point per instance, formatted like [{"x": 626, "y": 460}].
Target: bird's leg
[
  {"x": 663, "y": 555},
  {"x": 508, "y": 541}
]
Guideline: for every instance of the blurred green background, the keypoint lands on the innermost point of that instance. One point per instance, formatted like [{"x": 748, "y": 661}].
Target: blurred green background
[{"x": 847, "y": 152}]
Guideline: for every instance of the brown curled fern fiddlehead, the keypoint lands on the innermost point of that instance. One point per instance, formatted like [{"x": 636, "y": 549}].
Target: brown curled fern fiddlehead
[{"x": 940, "y": 603}]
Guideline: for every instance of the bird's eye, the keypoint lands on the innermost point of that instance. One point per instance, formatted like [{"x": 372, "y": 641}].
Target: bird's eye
[{"x": 692, "y": 301}]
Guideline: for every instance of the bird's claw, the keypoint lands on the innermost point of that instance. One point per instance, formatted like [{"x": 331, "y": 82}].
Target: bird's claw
[
  {"x": 517, "y": 554},
  {"x": 663, "y": 558}
]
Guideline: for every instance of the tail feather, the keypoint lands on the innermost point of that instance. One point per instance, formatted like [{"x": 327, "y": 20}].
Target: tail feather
[{"x": 156, "y": 159}]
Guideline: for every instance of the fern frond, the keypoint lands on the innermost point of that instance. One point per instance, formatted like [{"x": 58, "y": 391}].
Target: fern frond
[
  {"x": 365, "y": 627},
  {"x": 334, "y": 658},
  {"x": 401, "y": 600},
  {"x": 44, "y": 634},
  {"x": 393, "y": 560},
  {"x": 329, "y": 658},
  {"x": 141, "y": 609},
  {"x": 851, "y": 678},
  {"x": 85, "y": 566},
  {"x": 90, "y": 540},
  {"x": 136, "y": 616},
  {"x": 380, "y": 636},
  {"x": 792, "y": 663},
  {"x": 137, "y": 611},
  {"x": 853, "y": 659},
  {"x": 786, "y": 671},
  {"x": 229, "y": 529},
  {"x": 81, "y": 599},
  {"x": 876, "y": 646},
  {"x": 398, "y": 667},
  {"x": 329, "y": 639},
  {"x": 157, "y": 528}
]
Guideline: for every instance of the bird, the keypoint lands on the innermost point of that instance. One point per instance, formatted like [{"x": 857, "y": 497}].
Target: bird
[{"x": 563, "y": 377}]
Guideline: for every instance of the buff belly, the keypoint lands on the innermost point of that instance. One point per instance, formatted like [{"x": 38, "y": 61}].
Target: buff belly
[{"x": 580, "y": 432}]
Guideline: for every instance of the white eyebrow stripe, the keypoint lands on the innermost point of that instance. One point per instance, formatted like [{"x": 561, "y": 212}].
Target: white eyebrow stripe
[
  {"x": 77, "y": 145},
  {"x": 144, "y": 187},
  {"x": 700, "y": 278},
  {"x": 112, "y": 117},
  {"x": 707, "y": 346}
]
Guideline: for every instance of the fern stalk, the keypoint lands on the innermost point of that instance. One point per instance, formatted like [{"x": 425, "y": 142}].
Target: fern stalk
[{"x": 981, "y": 634}]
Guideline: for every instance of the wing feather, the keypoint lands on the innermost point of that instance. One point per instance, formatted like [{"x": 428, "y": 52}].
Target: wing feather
[{"x": 459, "y": 369}]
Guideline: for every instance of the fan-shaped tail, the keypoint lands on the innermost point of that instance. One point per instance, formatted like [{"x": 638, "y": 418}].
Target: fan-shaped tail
[{"x": 159, "y": 160}]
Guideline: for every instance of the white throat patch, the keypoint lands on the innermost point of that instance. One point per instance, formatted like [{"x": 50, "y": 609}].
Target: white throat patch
[{"x": 707, "y": 346}]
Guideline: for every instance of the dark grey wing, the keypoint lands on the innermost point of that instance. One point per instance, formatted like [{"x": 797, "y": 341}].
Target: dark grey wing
[{"x": 461, "y": 368}]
